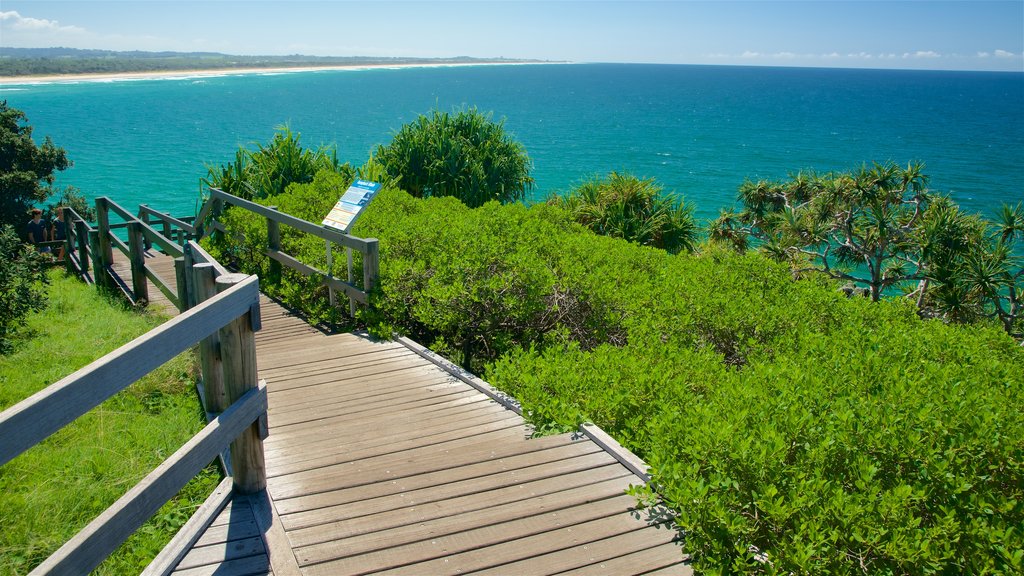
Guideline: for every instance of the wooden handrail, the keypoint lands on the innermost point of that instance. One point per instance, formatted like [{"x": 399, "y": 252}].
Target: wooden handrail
[
  {"x": 233, "y": 315},
  {"x": 37, "y": 417},
  {"x": 368, "y": 247}
]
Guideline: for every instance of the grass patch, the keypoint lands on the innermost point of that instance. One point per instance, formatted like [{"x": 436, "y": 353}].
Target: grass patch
[{"x": 56, "y": 488}]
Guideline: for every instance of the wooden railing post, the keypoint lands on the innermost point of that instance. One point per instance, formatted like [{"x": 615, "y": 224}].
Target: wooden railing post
[
  {"x": 82, "y": 237},
  {"x": 274, "y": 243},
  {"x": 181, "y": 284},
  {"x": 104, "y": 253},
  {"x": 204, "y": 287},
  {"x": 371, "y": 264},
  {"x": 137, "y": 255},
  {"x": 238, "y": 356},
  {"x": 69, "y": 238},
  {"x": 99, "y": 273}
]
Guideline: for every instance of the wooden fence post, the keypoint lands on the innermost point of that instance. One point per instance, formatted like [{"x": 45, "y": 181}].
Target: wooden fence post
[
  {"x": 181, "y": 285},
  {"x": 106, "y": 251},
  {"x": 238, "y": 354},
  {"x": 69, "y": 239},
  {"x": 204, "y": 287},
  {"x": 274, "y": 243},
  {"x": 82, "y": 237},
  {"x": 99, "y": 272},
  {"x": 371, "y": 264},
  {"x": 137, "y": 255}
]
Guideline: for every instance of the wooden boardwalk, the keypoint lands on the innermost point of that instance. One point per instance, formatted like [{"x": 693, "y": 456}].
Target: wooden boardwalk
[{"x": 381, "y": 461}]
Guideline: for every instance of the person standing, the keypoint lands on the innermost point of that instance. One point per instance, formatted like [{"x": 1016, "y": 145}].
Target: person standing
[
  {"x": 59, "y": 232},
  {"x": 36, "y": 229}
]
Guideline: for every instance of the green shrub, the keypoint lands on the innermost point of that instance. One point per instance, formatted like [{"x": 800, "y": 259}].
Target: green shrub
[
  {"x": 269, "y": 170},
  {"x": 465, "y": 155},
  {"x": 22, "y": 284},
  {"x": 638, "y": 210}
]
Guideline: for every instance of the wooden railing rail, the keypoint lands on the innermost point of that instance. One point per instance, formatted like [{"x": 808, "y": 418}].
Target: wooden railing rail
[
  {"x": 232, "y": 314},
  {"x": 79, "y": 241},
  {"x": 140, "y": 235},
  {"x": 178, "y": 229},
  {"x": 207, "y": 221}
]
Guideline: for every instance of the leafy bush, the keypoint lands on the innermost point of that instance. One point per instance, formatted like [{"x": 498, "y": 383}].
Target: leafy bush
[
  {"x": 797, "y": 431},
  {"x": 465, "y": 155},
  {"x": 624, "y": 206},
  {"x": 26, "y": 169},
  {"x": 22, "y": 284},
  {"x": 268, "y": 170}
]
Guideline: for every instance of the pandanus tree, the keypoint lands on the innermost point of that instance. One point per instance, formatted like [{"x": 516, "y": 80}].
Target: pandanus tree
[
  {"x": 636, "y": 209},
  {"x": 270, "y": 168},
  {"x": 991, "y": 276},
  {"x": 878, "y": 226},
  {"x": 465, "y": 155}
]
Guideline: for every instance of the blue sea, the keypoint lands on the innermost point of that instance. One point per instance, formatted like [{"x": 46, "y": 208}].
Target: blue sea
[{"x": 699, "y": 131}]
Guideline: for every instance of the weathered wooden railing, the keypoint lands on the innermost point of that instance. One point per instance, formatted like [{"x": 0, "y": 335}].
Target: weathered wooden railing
[
  {"x": 206, "y": 221},
  {"x": 180, "y": 230},
  {"x": 232, "y": 315},
  {"x": 79, "y": 244},
  {"x": 139, "y": 234}
]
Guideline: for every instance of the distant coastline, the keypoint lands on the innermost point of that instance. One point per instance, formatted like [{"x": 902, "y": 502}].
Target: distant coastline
[
  {"x": 55, "y": 65},
  {"x": 215, "y": 72}
]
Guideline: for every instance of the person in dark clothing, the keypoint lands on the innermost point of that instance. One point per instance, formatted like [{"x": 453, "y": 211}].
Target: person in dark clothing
[
  {"x": 59, "y": 232},
  {"x": 36, "y": 229}
]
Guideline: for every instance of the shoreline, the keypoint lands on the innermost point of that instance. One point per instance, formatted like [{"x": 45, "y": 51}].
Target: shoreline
[{"x": 33, "y": 80}]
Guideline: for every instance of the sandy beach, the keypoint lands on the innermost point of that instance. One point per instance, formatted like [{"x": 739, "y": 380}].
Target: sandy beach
[{"x": 208, "y": 73}]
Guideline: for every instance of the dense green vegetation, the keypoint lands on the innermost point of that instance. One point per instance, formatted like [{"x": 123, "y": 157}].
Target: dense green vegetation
[
  {"x": 268, "y": 170},
  {"x": 635, "y": 209},
  {"x": 465, "y": 155},
  {"x": 52, "y": 61},
  {"x": 54, "y": 489},
  {"x": 881, "y": 227},
  {"x": 26, "y": 169},
  {"x": 22, "y": 284},
  {"x": 794, "y": 427}
]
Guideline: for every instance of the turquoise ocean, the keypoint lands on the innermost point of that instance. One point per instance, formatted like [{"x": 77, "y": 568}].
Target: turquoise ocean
[{"x": 698, "y": 130}]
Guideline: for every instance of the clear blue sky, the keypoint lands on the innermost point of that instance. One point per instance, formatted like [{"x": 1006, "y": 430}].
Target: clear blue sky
[{"x": 874, "y": 34}]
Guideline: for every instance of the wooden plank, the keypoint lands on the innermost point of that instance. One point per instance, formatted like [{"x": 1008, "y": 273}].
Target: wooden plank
[
  {"x": 219, "y": 553},
  {"x": 370, "y": 444},
  {"x": 454, "y": 561},
  {"x": 103, "y": 535},
  {"x": 664, "y": 560},
  {"x": 386, "y": 476},
  {"x": 325, "y": 478},
  {"x": 279, "y": 548},
  {"x": 379, "y": 551},
  {"x": 171, "y": 555},
  {"x": 40, "y": 415},
  {"x": 234, "y": 530},
  {"x": 250, "y": 566},
  {"x": 588, "y": 556},
  {"x": 464, "y": 495},
  {"x": 483, "y": 504}
]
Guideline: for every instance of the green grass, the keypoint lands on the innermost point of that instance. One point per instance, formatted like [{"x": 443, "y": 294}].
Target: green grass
[{"x": 53, "y": 490}]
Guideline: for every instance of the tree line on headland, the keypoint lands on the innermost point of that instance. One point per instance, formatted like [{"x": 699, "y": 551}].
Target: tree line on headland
[
  {"x": 823, "y": 382},
  {"x": 61, "y": 61}
]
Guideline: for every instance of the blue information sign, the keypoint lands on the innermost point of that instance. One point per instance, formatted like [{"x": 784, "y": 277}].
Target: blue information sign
[{"x": 351, "y": 203}]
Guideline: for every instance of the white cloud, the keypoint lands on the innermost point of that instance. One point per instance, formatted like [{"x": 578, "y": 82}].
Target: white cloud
[
  {"x": 1004, "y": 54},
  {"x": 983, "y": 54},
  {"x": 922, "y": 54},
  {"x": 15, "y": 21}
]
